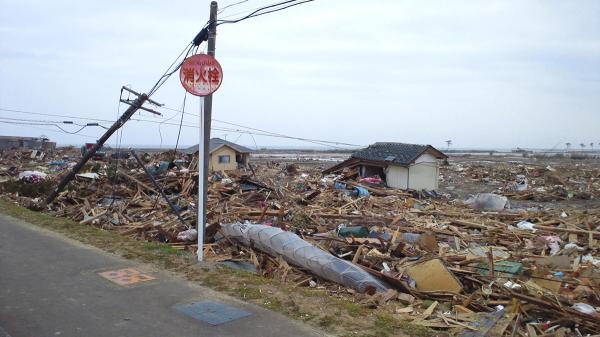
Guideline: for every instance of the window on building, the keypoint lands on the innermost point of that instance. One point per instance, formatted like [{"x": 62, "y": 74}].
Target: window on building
[{"x": 224, "y": 159}]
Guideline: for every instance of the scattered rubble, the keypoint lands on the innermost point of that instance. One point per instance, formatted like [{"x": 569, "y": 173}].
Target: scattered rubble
[{"x": 476, "y": 269}]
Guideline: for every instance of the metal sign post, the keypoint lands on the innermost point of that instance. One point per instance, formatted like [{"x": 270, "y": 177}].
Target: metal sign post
[
  {"x": 201, "y": 75},
  {"x": 202, "y": 180}
]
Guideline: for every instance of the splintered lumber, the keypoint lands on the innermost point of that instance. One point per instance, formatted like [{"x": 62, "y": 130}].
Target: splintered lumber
[
  {"x": 470, "y": 224},
  {"x": 91, "y": 219},
  {"x": 144, "y": 185},
  {"x": 567, "y": 230}
]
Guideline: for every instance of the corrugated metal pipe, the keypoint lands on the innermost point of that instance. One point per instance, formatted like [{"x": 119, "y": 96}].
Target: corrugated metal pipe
[{"x": 296, "y": 251}]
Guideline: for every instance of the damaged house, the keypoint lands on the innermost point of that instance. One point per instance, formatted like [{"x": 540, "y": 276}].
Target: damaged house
[
  {"x": 405, "y": 166},
  {"x": 224, "y": 155}
]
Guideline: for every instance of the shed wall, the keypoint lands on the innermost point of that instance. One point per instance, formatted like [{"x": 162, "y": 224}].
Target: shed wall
[
  {"x": 424, "y": 173},
  {"x": 396, "y": 176}
]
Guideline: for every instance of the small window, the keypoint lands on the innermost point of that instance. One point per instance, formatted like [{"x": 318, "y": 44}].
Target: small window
[{"x": 224, "y": 159}]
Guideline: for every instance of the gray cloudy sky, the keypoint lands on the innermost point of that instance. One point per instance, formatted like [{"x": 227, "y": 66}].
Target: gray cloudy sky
[{"x": 482, "y": 73}]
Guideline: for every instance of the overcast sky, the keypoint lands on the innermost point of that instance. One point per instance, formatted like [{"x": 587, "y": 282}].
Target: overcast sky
[{"x": 484, "y": 74}]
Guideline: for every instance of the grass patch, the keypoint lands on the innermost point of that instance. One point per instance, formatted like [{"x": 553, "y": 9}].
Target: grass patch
[
  {"x": 326, "y": 321},
  {"x": 162, "y": 248},
  {"x": 249, "y": 293},
  {"x": 310, "y": 292},
  {"x": 353, "y": 309},
  {"x": 30, "y": 190}
]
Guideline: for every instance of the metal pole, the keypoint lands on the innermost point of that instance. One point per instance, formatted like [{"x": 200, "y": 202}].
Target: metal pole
[
  {"x": 135, "y": 106},
  {"x": 204, "y": 146}
]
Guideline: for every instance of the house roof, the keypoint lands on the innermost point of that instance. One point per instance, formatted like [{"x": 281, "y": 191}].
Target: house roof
[
  {"x": 396, "y": 153},
  {"x": 216, "y": 143},
  {"x": 385, "y": 153}
]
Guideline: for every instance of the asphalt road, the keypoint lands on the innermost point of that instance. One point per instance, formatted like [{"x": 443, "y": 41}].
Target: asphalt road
[{"x": 50, "y": 286}]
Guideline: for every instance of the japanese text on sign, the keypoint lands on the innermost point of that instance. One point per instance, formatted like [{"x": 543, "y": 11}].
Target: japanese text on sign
[{"x": 201, "y": 75}]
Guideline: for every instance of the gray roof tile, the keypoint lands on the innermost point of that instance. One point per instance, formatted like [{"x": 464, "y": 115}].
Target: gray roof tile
[{"x": 397, "y": 153}]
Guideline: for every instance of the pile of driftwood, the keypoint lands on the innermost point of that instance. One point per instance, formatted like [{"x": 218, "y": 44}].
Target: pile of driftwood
[{"x": 447, "y": 266}]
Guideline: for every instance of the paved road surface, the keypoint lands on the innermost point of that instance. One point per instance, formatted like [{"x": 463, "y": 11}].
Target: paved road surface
[{"x": 49, "y": 286}]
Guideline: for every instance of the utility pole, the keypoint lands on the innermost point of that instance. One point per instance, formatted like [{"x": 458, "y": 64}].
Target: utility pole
[
  {"x": 204, "y": 145},
  {"x": 135, "y": 106}
]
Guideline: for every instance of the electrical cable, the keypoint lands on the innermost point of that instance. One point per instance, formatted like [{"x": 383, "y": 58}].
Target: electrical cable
[
  {"x": 55, "y": 115},
  {"x": 161, "y": 123},
  {"x": 118, "y": 141},
  {"x": 274, "y": 133},
  {"x": 231, "y": 5},
  {"x": 259, "y": 132},
  {"x": 45, "y": 124},
  {"x": 181, "y": 121},
  {"x": 257, "y": 12},
  {"x": 165, "y": 76},
  {"x": 33, "y": 126}
]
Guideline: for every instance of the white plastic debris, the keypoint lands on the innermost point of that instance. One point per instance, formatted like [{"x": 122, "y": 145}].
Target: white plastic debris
[
  {"x": 584, "y": 308},
  {"x": 526, "y": 225},
  {"x": 554, "y": 248},
  {"x": 188, "y": 235},
  {"x": 88, "y": 175},
  {"x": 589, "y": 258},
  {"x": 488, "y": 202},
  {"x": 512, "y": 285},
  {"x": 29, "y": 174},
  {"x": 522, "y": 186},
  {"x": 553, "y": 242},
  {"x": 563, "y": 214},
  {"x": 573, "y": 246}
]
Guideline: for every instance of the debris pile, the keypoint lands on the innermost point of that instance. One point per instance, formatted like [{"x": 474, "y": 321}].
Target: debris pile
[
  {"x": 520, "y": 181},
  {"x": 479, "y": 267}
]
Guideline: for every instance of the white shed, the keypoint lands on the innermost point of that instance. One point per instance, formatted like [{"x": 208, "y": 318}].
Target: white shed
[{"x": 404, "y": 166}]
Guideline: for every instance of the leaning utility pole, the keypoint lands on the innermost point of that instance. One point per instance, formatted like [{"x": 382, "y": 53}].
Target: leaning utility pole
[
  {"x": 204, "y": 144},
  {"x": 135, "y": 106}
]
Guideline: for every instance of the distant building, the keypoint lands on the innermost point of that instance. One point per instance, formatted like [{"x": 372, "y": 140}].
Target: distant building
[
  {"x": 405, "y": 166},
  {"x": 31, "y": 143},
  {"x": 224, "y": 155}
]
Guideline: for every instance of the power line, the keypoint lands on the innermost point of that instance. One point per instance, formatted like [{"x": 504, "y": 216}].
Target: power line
[
  {"x": 46, "y": 129},
  {"x": 261, "y": 11},
  {"x": 185, "y": 125},
  {"x": 56, "y": 115},
  {"x": 53, "y": 122},
  {"x": 44, "y": 124},
  {"x": 249, "y": 131},
  {"x": 272, "y": 133},
  {"x": 230, "y": 5}
]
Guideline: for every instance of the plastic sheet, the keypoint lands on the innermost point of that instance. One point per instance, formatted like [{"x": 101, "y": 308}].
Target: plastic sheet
[
  {"x": 294, "y": 250},
  {"x": 488, "y": 201}
]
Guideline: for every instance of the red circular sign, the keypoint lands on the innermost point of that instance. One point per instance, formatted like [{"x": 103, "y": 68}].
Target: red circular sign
[{"x": 201, "y": 75}]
